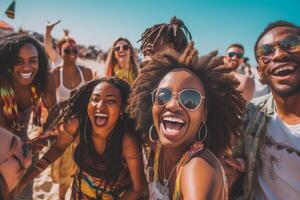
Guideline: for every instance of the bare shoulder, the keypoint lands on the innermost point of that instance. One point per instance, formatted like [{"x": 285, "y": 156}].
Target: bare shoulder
[
  {"x": 129, "y": 140},
  {"x": 198, "y": 165},
  {"x": 55, "y": 72},
  {"x": 87, "y": 73},
  {"x": 130, "y": 146},
  {"x": 197, "y": 174}
]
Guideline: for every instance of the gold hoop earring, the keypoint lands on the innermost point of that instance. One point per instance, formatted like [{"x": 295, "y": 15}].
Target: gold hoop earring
[
  {"x": 150, "y": 134},
  {"x": 199, "y": 133}
]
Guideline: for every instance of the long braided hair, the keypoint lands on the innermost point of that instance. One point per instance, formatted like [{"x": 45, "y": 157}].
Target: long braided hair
[
  {"x": 76, "y": 106},
  {"x": 157, "y": 36}
]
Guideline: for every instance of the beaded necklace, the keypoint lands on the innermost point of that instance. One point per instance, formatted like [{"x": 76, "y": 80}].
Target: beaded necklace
[{"x": 10, "y": 108}]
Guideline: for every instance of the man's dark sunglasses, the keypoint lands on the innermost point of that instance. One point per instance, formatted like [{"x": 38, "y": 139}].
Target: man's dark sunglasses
[
  {"x": 265, "y": 52},
  {"x": 232, "y": 54}
]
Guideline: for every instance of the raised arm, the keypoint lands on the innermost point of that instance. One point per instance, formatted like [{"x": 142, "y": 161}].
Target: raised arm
[
  {"x": 52, "y": 53},
  {"x": 133, "y": 156}
]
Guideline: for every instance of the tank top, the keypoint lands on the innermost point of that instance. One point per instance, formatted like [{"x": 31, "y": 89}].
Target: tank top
[
  {"x": 159, "y": 191},
  {"x": 62, "y": 93}
]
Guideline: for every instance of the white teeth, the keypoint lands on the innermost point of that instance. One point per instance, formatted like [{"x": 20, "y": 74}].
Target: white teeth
[
  {"x": 280, "y": 69},
  {"x": 26, "y": 75},
  {"x": 101, "y": 115},
  {"x": 170, "y": 130},
  {"x": 173, "y": 119}
]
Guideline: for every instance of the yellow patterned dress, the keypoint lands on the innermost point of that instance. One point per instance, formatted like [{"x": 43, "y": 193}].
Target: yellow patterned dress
[{"x": 125, "y": 74}]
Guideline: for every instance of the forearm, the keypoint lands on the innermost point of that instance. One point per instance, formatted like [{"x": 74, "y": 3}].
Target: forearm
[
  {"x": 52, "y": 53},
  {"x": 132, "y": 194},
  {"x": 39, "y": 166}
]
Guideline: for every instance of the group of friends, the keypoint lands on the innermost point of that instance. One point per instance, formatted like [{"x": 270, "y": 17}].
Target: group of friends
[{"x": 175, "y": 126}]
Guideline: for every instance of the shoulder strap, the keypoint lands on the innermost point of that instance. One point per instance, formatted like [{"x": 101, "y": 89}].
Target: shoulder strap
[{"x": 195, "y": 148}]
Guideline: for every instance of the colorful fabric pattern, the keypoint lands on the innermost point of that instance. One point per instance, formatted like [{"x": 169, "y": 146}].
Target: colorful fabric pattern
[
  {"x": 10, "y": 108},
  {"x": 87, "y": 187}
]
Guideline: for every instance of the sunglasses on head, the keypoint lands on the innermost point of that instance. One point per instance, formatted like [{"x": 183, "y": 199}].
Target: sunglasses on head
[
  {"x": 69, "y": 51},
  {"x": 124, "y": 47},
  {"x": 190, "y": 99},
  {"x": 288, "y": 44},
  {"x": 232, "y": 54}
]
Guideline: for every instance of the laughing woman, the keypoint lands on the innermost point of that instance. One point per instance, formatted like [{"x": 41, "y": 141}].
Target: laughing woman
[
  {"x": 26, "y": 87},
  {"x": 108, "y": 155},
  {"x": 121, "y": 61},
  {"x": 189, "y": 113}
]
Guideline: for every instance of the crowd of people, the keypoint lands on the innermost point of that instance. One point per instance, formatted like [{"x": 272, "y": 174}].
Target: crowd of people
[{"x": 176, "y": 125}]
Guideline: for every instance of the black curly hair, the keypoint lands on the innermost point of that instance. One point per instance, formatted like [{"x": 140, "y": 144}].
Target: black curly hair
[
  {"x": 10, "y": 45},
  {"x": 225, "y": 104},
  {"x": 76, "y": 106},
  {"x": 157, "y": 36}
]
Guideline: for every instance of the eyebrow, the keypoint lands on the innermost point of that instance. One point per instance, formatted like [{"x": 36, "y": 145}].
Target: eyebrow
[{"x": 107, "y": 95}]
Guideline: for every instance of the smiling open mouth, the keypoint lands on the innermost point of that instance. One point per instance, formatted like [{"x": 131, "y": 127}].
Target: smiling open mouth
[
  {"x": 172, "y": 125},
  {"x": 101, "y": 119},
  {"x": 284, "y": 71},
  {"x": 26, "y": 75}
]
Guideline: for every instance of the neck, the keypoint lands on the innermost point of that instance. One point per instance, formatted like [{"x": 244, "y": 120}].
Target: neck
[
  {"x": 19, "y": 87},
  {"x": 123, "y": 64},
  {"x": 69, "y": 68},
  {"x": 99, "y": 143},
  {"x": 288, "y": 108}
]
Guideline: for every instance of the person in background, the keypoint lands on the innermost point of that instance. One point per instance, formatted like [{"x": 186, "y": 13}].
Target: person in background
[
  {"x": 68, "y": 76},
  {"x": 232, "y": 60},
  {"x": 121, "y": 61}
]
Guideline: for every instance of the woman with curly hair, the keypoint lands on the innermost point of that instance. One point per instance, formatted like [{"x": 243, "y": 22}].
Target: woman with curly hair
[
  {"x": 108, "y": 155},
  {"x": 121, "y": 61},
  {"x": 26, "y": 87},
  {"x": 188, "y": 112}
]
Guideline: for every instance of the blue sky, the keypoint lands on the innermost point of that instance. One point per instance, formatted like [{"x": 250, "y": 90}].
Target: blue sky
[{"x": 214, "y": 24}]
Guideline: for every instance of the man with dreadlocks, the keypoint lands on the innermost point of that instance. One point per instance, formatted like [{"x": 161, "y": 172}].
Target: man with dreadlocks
[
  {"x": 25, "y": 87},
  {"x": 174, "y": 35}
]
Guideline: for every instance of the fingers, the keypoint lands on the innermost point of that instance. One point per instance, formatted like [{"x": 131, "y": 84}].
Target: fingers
[{"x": 189, "y": 54}]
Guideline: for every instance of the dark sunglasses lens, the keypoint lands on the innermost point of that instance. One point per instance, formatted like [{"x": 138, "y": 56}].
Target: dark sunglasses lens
[
  {"x": 163, "y": 96},
  {"x": 67, "y": 51},
  {"x": 290, "y": 43},
  {"x": 231, "y": 54},
  {"x": 125, "y": 47},
  {"x": 70, "y": 50},
  {"x": 265, "y": 50},
  {"x": 190, "y": 99},
  {"x": 239, "y": 55},
  {"x": 117, "y": 48}
]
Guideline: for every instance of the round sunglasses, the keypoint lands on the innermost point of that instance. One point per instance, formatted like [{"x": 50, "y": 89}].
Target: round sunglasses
[
  {"x": 124, "y": 47},
  {"x": 266, "y": 52},
  {"x": 190, "y": 99}
]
